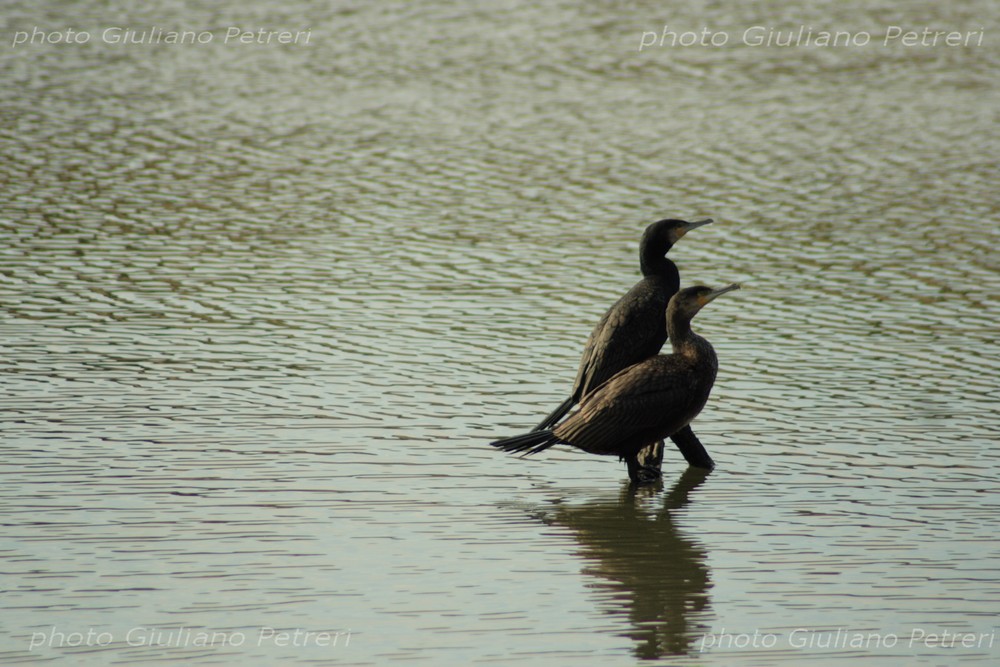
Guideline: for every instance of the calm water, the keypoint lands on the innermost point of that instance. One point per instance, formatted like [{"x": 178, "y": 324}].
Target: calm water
[{"x": 264, "y": 305}]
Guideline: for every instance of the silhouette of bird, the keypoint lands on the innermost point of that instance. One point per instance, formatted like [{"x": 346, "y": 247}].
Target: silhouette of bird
[
  {"x": 632, "y": 330},
  {"x": 644, "y": 403}
]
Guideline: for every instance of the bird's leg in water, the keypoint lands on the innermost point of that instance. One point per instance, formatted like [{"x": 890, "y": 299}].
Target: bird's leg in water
[
  {"x": 639, "y": 473},
  {"x": 651, "y": 456},
  {"x": 692, "y": 449}
]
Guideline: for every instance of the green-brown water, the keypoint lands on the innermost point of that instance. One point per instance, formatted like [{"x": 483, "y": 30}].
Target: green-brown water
[{"x": 264, "y": 305}]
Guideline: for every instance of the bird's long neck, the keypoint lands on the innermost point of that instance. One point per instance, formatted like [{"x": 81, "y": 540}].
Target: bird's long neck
[
  {"x": 655, "y": 263},
  {"x": 682, "y": 339},
  {"x": 679, "y": 330}
]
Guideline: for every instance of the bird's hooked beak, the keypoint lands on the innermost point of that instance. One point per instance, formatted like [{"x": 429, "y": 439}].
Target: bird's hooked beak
[
  {"x": 718, "y": 292},
  {"x": 692, "y": 225}
]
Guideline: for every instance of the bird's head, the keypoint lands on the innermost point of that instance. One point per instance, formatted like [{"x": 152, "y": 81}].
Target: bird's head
[
  {"x": 657, "y": 241},
  {"x": 690, "y": 300},
  {"x": 665, "y": 233}
]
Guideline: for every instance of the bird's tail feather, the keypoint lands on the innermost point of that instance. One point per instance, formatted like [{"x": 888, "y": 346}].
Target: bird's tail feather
[
  {"x": 556, "y": 415},
  {"x": 529, "y": 443}
]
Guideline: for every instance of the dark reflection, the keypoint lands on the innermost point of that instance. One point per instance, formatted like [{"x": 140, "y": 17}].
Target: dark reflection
[{"x": 656, "y": 575}]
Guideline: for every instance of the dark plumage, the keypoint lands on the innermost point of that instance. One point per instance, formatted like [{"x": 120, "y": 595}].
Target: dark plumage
[
  {"x": 647, "y": 401},
  {"x": 632, "y": 329}
]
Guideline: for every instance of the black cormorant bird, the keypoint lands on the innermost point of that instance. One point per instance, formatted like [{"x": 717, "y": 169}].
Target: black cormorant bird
[
  {"x": 632, "y": 330},
  {"x": 644, "y": 403}
]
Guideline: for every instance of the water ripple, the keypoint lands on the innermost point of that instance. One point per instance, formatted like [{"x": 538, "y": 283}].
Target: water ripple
[{"x": 263, "y": 308}]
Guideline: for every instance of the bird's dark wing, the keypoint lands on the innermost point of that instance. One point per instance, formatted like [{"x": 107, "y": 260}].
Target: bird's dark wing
[
  {"x": 587, "y": 359},
  {"x": 632, "y": 330},
  {"x": 639, "y": 405}
]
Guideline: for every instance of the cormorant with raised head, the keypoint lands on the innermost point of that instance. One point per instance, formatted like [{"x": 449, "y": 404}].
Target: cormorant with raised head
[
  {"x": 632, "y": 329},
  {"x": 644, "y": 403}
]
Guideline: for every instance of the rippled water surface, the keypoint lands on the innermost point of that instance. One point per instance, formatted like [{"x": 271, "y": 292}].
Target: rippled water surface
[{"x": 264, "y": 306}]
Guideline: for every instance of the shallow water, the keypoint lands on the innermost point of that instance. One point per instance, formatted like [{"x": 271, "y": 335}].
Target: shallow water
[{"x": 263, "y": 307}]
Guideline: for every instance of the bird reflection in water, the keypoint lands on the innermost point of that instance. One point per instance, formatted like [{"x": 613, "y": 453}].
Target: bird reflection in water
[{"x": 656, "y": 576}]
